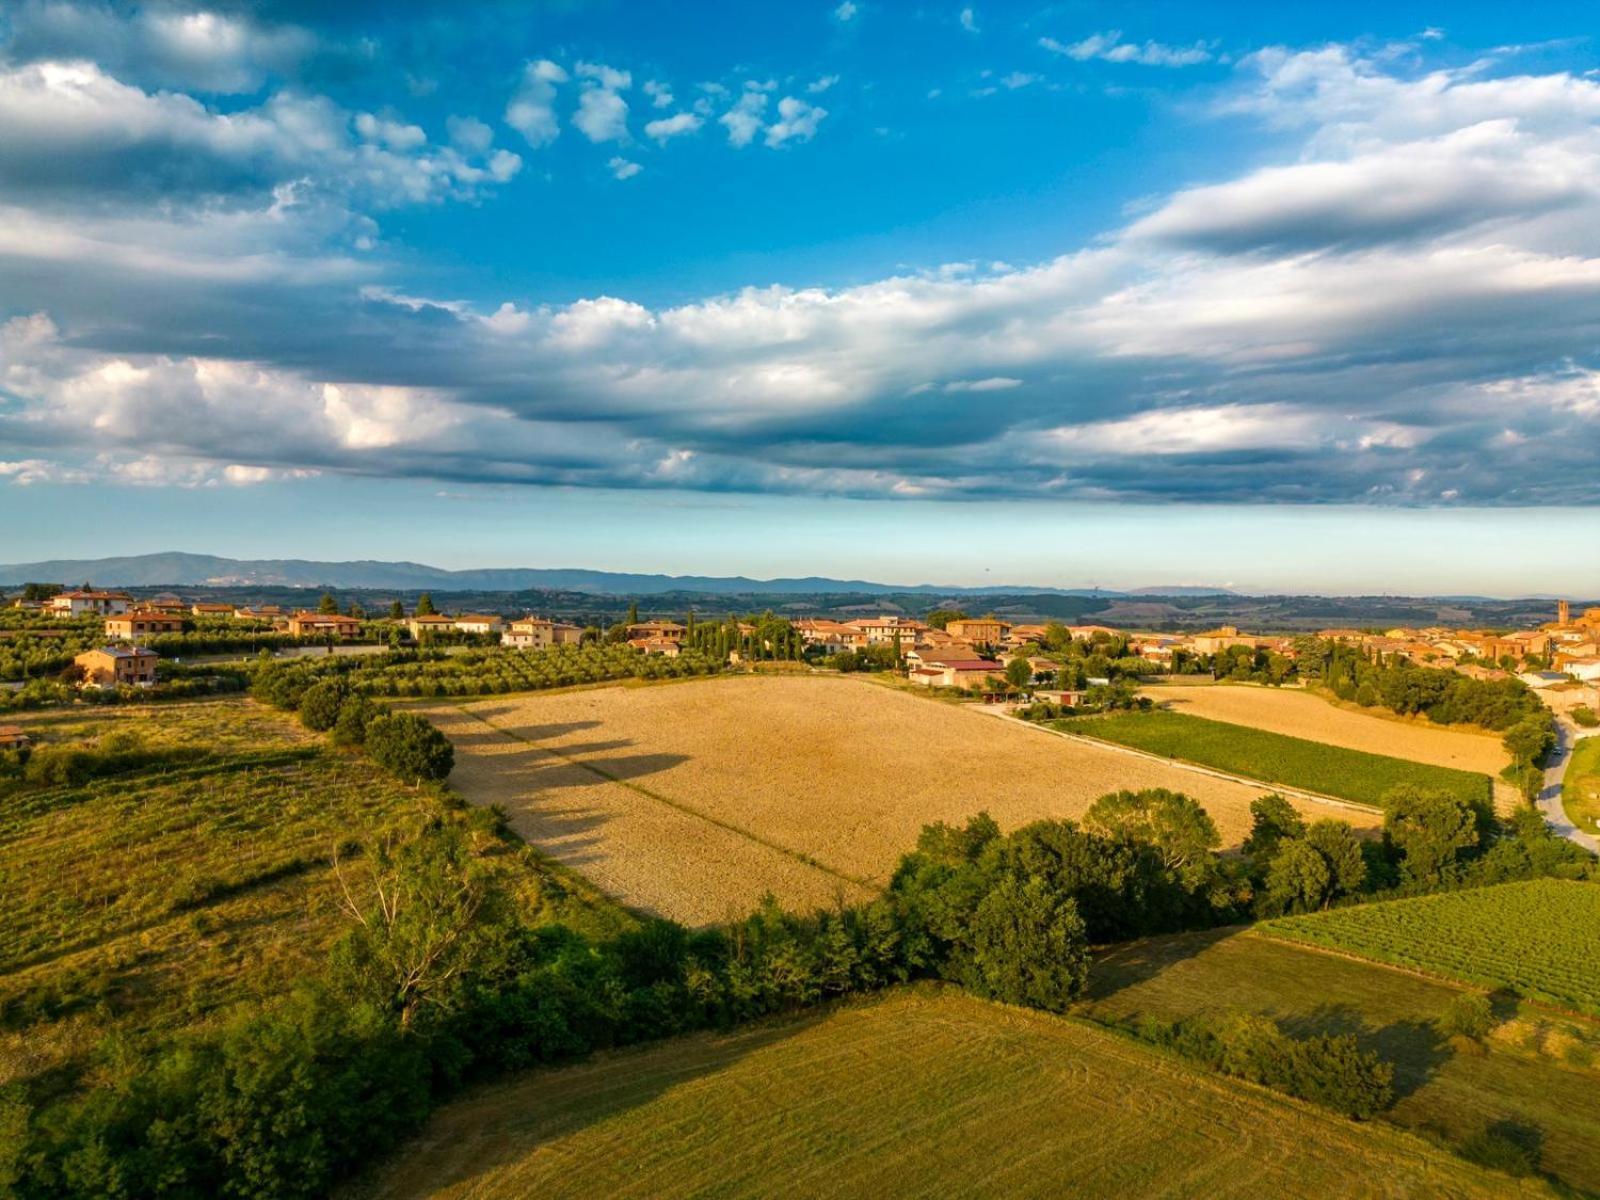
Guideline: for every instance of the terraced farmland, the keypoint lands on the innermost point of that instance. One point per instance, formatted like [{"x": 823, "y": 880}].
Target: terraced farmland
[{"x": 1540, "y": 938}]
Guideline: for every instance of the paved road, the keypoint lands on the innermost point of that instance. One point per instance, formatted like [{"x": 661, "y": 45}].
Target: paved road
[{"x": 1550, "y": 796}]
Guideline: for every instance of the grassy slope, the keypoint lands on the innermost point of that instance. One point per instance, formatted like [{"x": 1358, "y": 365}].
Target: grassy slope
[
  {"x": 920, "y": 1092},
  {"x": 1541, "y": 938},
  {"x": 1580, "y": 791},
  {"x": 1274, "y": 757},
  {"x": 1443, "y": 1091},
  {"x": 153, "y": 900}
]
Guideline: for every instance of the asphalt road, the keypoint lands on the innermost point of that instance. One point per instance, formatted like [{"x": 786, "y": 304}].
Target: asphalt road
[{"x": 1550, "y": 797}]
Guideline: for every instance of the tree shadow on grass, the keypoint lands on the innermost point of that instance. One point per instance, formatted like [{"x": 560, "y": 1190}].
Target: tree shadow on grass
[
  {"x": 467, "y": 1143},
  {"x": 1129, "y": 964},
  {"x": 1416, "y": 1048}
]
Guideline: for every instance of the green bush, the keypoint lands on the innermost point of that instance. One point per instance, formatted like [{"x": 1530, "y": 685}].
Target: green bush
[
  {"x": 1468, "y": 1015},
  {"x": 355, "y": 714},
  {"x": 410, "y": 748},
  {"x": 320, "y": 704},
  {"x": 1028, "y": 946},
  {"x": 1586, "y": 716}
]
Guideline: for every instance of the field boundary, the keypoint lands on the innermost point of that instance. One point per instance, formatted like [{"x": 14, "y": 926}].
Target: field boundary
[
  {"x": 1197, "y": 768},
  {"x": 677, "y": 805}
]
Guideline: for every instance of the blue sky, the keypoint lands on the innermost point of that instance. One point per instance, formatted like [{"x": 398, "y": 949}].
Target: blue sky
[{"x": 1073, "y": 293}]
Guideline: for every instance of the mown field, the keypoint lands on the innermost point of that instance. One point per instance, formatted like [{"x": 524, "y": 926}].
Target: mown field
[
  {"x": 693, "y": 800},
  {"x": 920, "y": 1092},
  {"x": 1274, "y": 757},
  {"x": 1580, "y": 789},
  {"x": 1541, "y": 938},
  {"x": 1530, "y": 1076},
  {"x": 194, "y": 878},
  {"x": 1303, "y": 714}
]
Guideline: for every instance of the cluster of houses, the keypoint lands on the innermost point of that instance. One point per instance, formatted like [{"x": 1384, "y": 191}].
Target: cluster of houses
[
  {"x": 1570, "y": 644},
  {"x": 965, "y": 653}
]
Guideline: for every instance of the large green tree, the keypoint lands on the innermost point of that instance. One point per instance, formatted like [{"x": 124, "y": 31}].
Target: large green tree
[
  {"x": 1181, "y": 831},
  {"x": 1028, "y": 945}
]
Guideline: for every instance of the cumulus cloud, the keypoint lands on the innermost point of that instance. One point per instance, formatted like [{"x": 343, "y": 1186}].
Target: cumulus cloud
[
  {"x": 845, "y": 12},
  {"x": 203, "y": 51},
  {"x": 666, "y": 128},
  {"x": 1402, "y": 311},
  {"x": 797, "y": 122},
  {"x": 531, "y": 110},
  {"x": 622, "y": 168},
  {"x": 743, "y": 121},
  {"x": 1109, "y": 47}
]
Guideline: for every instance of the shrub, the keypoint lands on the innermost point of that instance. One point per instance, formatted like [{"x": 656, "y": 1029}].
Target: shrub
[
  {"x": 1332, "y": 1071},
  {"x": 355, "y": 714},
  {"x": 1504, "y": 1146},
  {"x": 410, "y": 748},
  {"x": 1469, "y": 1015},
  {"x": 320, "y": 705},
  {"x": 1586, "y": 716},
  {"x": 1028, "y": 946}
]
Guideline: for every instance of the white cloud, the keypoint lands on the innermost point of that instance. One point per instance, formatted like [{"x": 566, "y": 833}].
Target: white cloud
[
  {"x": 797, "y": 122},
  {"x": 621, "y": 168},
  {"x": 818, "y": 86},
  {"x": 602, "y": 114},
  {"x": 846, "y": 12},
  {"x": 743, "y": 121},
  {"x": 660, "y": 94},
  {"x": 995, "y": 383},
  {"x": 1110, "y": 47},
  {"x": 969, "y": 20},
  {"x": 531, "y": 111},
  {"x": 470, "y": 134},
  {"x": 676, "y": 125}
]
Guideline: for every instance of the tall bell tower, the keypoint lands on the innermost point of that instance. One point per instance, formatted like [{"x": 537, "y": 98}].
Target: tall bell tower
[{"x": 1563, "y": 613}]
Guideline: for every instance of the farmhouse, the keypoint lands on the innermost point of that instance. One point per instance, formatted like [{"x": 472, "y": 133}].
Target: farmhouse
[
  {"x": 886, "y": 630},
  {"x": 302, "y": 624},
  {"x": 140, "y": 623},
  {"x": 167, "y": 603},
  {"x": 263, "y": 612},
  {"x": 980, "y": 631},
  {"x": 1539, "y": 680},
  {"x": 474, "y": 623},
  {"x": 77, "y": 603},
  {"x": 211, "y": 610},
  {"x": 955, "y": 672},
  {"x": 14, "y": 737},
  {"x": 669, "y": 631},
  {"x": 830, "y": 636},
  {"x": 536, "y": 633},
  {"x": 430, "y": 623},
  {"x": 666, "y": 647},
  {"x": 110, "y": 666}
]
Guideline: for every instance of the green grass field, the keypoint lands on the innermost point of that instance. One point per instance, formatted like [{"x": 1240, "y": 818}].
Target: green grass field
[
  {"x": 1444, "y": 1091},
  {"x": 1541, "y": 938},
  {"x": 158, "y": 898},
  {"x": 1580, "y": 790},
  {"x": 1274, "y": 757},
  {"x": 920, "y": 1092}
]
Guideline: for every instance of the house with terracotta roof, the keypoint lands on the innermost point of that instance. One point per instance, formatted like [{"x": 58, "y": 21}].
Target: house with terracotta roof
[
  {"x": 261, "y": 612},
  {"x": 536, "y": 633},
  {"x": 829, "y": 636},
  {"x": 77, "y": 603},
  {"x": 314, "y": 624},
  {"x": 14, "y": 737},
  {"x": 669, "y": 631},
  {"x": 211, "y": 610},
  {"x": 886, "y": 630},
  {"x": 665, "y": 647},
  {"x": 478, "y": 623},
  {"x": 980, "y": 631},
  {"x": 955, "y": 672},
  {"x": 113, "y": 666},
  {"x": 139, "y": 623},
  {"x": 430, "y": 623}
]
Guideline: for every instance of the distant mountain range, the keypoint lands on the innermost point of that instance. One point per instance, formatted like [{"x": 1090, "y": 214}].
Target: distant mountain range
[{"x": 175, "y": 569}]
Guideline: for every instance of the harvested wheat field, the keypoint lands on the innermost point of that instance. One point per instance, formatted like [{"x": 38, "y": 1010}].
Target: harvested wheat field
[
  {"x": 694, "y": 800},
  {"x": 918, "y": 1093},
  {"x": 1306, "y": 715}
]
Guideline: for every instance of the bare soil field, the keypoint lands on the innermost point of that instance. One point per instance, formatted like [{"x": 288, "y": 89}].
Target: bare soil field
[
  {"x": 1301, "y": 714},
  {"x": 694, "y": 800}
]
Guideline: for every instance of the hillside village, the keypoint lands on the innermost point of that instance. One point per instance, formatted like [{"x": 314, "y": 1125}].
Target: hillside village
[{"x": 951, "y": 650}]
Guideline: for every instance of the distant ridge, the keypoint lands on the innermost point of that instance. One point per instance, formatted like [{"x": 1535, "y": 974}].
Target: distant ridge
[{"x": 175, "y": 569}]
